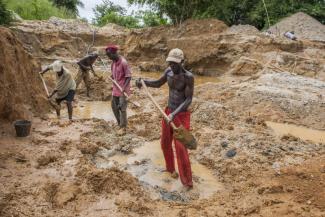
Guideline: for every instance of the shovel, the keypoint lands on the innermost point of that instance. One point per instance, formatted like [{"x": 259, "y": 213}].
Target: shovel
[
  {"x": 48, "y": 94},
  {"x": 181, "y": 133},
  {"x": 44, "y": 85},
  {"x": 118, "y": 86}
]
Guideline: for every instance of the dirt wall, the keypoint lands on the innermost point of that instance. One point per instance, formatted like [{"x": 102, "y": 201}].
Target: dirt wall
[{"x": 20, "y": 87}]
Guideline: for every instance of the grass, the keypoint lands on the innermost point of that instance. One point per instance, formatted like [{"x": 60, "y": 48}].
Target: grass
[{"x": 37, "y": 9}]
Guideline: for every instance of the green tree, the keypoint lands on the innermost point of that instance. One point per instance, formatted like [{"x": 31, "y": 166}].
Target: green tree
[
  {"x": 5, "y": 15},
  {"x": 176, "y": 10},
  {"x": 235, "y": 11},
  {"x": 71, "y": 5},
  {"x": 278, "y": 9},
  {"x": 108, "y": 12},
  {"x": 150, "y": 18}
]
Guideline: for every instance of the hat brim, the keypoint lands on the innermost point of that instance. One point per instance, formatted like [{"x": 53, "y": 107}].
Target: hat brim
[
  {"x": 173, "y": 59},
  {"x": 57, "y": 69}
]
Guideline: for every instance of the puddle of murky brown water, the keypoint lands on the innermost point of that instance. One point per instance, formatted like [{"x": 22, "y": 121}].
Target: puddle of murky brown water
[
  {"x": 92, "y": 109},
  {"x": 317, "y": 136},
  {"x": 147, "y": 164}
]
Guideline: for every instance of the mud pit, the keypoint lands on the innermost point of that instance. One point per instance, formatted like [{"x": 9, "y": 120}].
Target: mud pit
[
  {"x": 242, "y": 166},
  {"x": 91, "y": 109},
  {"x": 148, "y": 165},
  {"x": 287, "y": 130}
]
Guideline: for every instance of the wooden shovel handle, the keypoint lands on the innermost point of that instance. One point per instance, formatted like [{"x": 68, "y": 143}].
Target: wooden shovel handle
[
  {"x": 44, "y": 84},
  {"x": 117, "y": 85},
  {"x": 156, "y": 104}
]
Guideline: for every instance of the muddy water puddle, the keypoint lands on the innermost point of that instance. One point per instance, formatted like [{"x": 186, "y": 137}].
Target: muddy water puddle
[
  {"x": 147, "y": 164},
  {"x": 92, "y": 109},
  {"x": 317, "y": 136}
]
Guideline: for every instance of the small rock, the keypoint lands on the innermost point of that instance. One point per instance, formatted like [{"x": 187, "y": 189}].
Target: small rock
[
  {"x": 231, "y": 153},
  {"x": 224, "y": 144},
  {"x": 230, "y": 127}
]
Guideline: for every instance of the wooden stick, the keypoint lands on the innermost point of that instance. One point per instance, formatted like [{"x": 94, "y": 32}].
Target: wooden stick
[
  {"x": 156, "y": 104},
  {"x": 44, "y": 84},
  {"x": 118, "y": 86}
]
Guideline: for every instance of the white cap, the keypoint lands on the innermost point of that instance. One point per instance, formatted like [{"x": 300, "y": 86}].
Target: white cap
[
  {"x": 57, "y": 66},
  {"x": 175, "y": 55}
]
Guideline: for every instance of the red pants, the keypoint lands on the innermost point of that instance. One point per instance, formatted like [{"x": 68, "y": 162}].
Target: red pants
[{"x": 183, "y": 161}]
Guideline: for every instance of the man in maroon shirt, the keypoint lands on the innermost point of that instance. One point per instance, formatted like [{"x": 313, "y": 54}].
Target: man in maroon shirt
[{"x": 121, "y": 73}]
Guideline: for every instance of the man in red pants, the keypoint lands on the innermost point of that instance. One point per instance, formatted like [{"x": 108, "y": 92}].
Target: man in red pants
[{"x": 181, "y": 87}]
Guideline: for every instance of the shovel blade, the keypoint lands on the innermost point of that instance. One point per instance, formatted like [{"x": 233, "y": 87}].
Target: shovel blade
[{"x": 186, "y": 137}]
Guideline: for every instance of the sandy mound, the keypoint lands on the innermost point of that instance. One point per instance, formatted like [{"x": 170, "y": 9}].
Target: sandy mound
[
  {"x": 242, "y": 29},
  {"x": 197, "y": 27},
  {"x": 21, "y": 89},
  {"x": 304, "y": 26},
  {"x": 65, "y": 39},
  {"x": 245, "y": 66},
  {"x": 210, "y": 46}
]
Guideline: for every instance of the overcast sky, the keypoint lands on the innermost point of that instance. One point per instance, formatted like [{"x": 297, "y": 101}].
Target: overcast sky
[{"x": 87, "y": 11}]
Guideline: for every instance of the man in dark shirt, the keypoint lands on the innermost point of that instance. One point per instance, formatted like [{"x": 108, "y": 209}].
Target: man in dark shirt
[{"x": 85, "y": 65}]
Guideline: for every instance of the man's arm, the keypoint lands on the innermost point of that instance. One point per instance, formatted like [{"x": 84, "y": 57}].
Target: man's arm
[
  {"x": 54, "y": 91},
  {"x": 154, "y": 83},
  {"x": 189, "y": 90},
  {"x": 93, "y": 71},
  {"x": 126, "y": 83},
  {"x": 83, "y": 63}
]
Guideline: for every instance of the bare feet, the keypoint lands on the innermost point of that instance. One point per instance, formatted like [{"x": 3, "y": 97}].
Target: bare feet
[
  {"x": 121, "y": 131},
  {"x": 188, "y": 188},
  {"x": 174, "y": 175}
]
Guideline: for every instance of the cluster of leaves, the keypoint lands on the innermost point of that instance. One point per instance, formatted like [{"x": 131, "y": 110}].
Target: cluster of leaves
[
  {"x": 5, "y": 15},
  {"x": 38, "y": 9},
  {"x": 44, "y": 9},
  {"x": 108, "y": 12},
  {"x": 235, "y": 11},
  {"x": 71, "y": 5}
]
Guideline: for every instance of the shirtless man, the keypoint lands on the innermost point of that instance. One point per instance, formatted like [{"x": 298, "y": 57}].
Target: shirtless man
[
  {"x": 181, "y": 87},
  {"x": 85, "y": 65}
]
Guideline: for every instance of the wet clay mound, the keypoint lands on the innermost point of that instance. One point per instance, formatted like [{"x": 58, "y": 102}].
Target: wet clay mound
[
  {"x": 210, "y": 47},
  {"x": 149, "y": 47},
  {"x": 47, "y": 42},
  {"x": 279, "y": 97},
  {"x": 21, "y": 90},
  {"x": 242, "y": 29},
  {"x": 304, "y": 26},
  {"x": 200, "y": 27},
  {"x": 65, "y": 39},
  {"x": 220, "y": 50}
]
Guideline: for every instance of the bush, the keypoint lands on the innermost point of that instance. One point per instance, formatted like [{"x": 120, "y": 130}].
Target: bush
[
  {"x": 151, "y": 18},
  {"x": 37, "y": 9},
  {"x": 122, "y": 20},
  {"x": 109, "y": 12},
  {"x": 5, "y": 15}
]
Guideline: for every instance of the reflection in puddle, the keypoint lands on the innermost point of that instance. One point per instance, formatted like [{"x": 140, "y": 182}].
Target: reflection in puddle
[
  {"x": 147, "y": 164},
  {"x": 317, "y": 136},
  {"x": 92, "y": 109}
]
